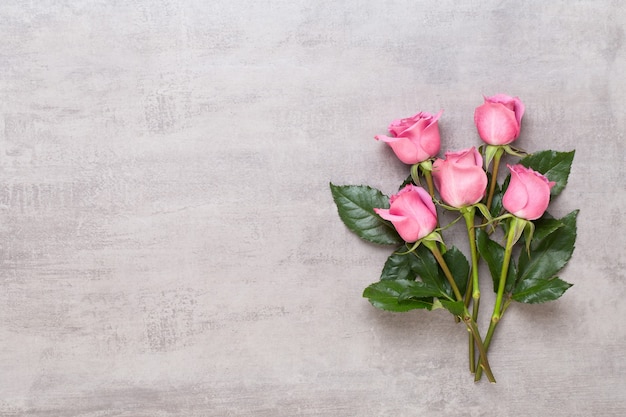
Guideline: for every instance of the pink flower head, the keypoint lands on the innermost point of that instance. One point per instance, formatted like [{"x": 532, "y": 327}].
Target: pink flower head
[
  {"x": 528, "y": 194},
  {"x": 499, "y": 119},
  {"x": 412, "y": 212},
  {"x": 460, "y": 178},
  {"x": 415, "y": 139}
]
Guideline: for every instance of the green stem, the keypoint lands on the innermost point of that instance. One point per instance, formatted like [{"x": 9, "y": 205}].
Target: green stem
[
  {"x": 494, "y": 176},
  {"x": 471, "y": 346},
  {"x": 426, "y": 167},
  {"x": 492, "y": 329},
  {"x": 497, "y": 308},
  {"x": 510, "y": 241},
  {"x": 468, "y": 293},
  {"x": 432, "y": 245},
  {"x": 467, "y": 318},
  {"x": 482, "y": 350},
  {"x": 429, "y": 181},
  {"x": 469, "y": 214},
  {"x": 472, "y": 352}
]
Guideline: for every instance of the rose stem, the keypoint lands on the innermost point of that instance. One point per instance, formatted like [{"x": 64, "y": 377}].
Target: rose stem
[
  {"x": 429, "y": 181},
  {"x": 482, "y": 351},
  {"x": 427, "y": 174},
  {"x": 471, "y": 350},
  {"x": 467, "y": 318},
  {"x": 494, "y": 176},
  {"x": 430, "y": 244},
  {"x": 468, "y": 214},
  {"x": 497, "y": 309}
]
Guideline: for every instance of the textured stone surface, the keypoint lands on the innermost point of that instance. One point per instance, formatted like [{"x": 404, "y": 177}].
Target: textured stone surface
[{"x": 169, "y": 246}]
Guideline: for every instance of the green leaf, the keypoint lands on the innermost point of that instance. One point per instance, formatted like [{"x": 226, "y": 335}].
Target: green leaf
[
  {"x": 422, "y": 264},
  {"x": 533, "y": 291},
  {"x": 493, "y": 254},
  {"x": 459, "y": 266},
  {"x": 496, "y": 202},
  {"x": 426, "y": 267},
  {"x": 399, "y": 266},
  {"x": 549, "y": 254},
  {"x": 355, "y": 204},
  {"x": 385, "y": 296},
  {"x": 457, "y": 308},
  {"x": 416, "y": 290},
  {"x": 545, "y": 226},
  {"x": 554, "y": 165}
]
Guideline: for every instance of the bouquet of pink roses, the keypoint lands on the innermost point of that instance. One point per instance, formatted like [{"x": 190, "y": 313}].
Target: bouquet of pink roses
[{"x": 425, "y": 272}]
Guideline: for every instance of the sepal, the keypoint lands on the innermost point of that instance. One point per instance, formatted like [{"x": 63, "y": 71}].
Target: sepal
[
  {"x": 514, "y": 151},
  {"x": 426, "y": 166},
  {"x": 491, "y": 152},
  {"x": 484, "y": 211},
  {"x": 517, "y": 227},
  {"x": 529, "y": 230}
]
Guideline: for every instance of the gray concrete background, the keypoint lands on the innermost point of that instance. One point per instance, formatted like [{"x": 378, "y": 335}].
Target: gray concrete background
[{"x": 169, "y": 246}]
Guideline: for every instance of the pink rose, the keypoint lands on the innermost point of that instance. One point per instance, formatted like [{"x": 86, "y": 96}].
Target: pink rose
[
  {"x": 412, "y": 213},
  {"x": 499, "y": 119},
  {"x": 460, "y": 178},
  {"x": 415, "y": 139},
  {"x": 528, "y": 194}
]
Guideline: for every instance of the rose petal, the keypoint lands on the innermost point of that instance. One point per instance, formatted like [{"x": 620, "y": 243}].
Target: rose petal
[
  {"x": 405, "y": 150},
  {"x": 515, "y": 198},
  {"x": 496, "y": 124}
]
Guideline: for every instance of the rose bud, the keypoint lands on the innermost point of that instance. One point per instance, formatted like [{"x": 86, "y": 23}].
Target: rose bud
[
  {"x": 460, "y": 178},
  {"x": 415, "y": 139},
  {"x": 412, "y": 212},
  {"x": 528, "y": 194},
  {"x": 499, "y": 119}
]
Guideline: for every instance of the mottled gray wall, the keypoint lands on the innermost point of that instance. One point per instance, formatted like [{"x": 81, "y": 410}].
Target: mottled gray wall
[{"x": 168, "y": 243}]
